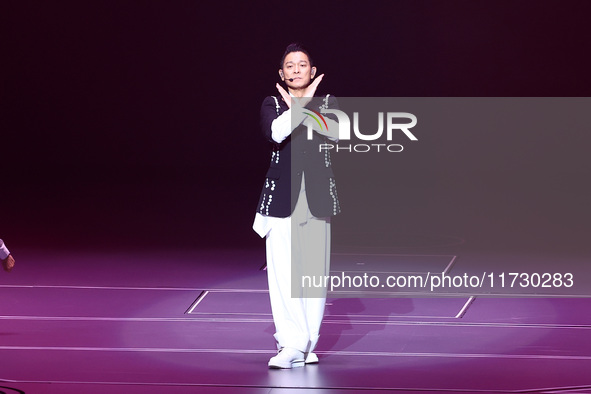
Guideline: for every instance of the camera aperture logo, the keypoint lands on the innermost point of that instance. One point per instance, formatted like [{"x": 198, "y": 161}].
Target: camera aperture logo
[
  {"x": 316, "y": 119},
  {"x": 394, "y": 124}
]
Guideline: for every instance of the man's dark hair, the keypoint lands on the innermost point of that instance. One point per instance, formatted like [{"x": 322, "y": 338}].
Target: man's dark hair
[{"x": 295, "y": 47}]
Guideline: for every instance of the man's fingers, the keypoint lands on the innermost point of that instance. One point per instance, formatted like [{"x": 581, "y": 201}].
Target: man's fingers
[
  {"x": 284, "y": 94},
  {"x": 310, "y": 90},
  {"x": 317, "y": 80}
]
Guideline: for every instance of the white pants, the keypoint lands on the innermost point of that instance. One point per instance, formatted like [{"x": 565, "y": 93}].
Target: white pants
[{"x": 296, "y": 246}]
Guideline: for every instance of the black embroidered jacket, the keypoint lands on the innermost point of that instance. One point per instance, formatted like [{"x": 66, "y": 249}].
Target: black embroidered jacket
[{"x": 295, "y": 156}]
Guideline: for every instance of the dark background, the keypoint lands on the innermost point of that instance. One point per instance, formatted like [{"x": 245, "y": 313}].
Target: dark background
[{"x": 135, "y": 123}]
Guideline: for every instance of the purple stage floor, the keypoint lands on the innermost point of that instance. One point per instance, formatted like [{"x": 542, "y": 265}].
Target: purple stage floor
[{"x": 199, "y": 321}]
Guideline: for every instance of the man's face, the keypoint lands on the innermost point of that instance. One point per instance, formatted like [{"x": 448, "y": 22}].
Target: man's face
[{"x": 297, "y": 66}]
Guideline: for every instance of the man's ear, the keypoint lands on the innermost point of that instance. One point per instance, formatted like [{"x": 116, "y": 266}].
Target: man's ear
[
  {"x": 281, "y": 75},
  {"x": 313, "y": 72}
]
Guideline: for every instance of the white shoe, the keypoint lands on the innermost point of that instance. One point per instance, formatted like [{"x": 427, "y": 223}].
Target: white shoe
[
  {"x": 311, "y": 358},
  {"x": 287, "y": 358}
]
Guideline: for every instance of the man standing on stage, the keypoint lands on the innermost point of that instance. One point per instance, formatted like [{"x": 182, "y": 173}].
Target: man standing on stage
[{"x": 297, "y": 201}]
